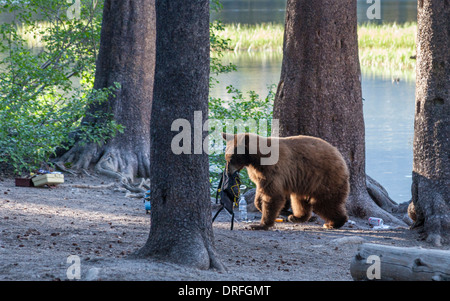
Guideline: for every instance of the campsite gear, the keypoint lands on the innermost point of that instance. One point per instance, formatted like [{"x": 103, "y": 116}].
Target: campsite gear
[
  {"x": 147, "y": 204},
  {"x": 243, "y": 208},
  {"x": 24, "y": 182},
  {"x": 228, "y": 190},
  {"x": 52, "y": 178}
]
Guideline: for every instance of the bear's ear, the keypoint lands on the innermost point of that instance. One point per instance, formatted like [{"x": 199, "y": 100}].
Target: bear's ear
[{"x": 228, "y": 137}]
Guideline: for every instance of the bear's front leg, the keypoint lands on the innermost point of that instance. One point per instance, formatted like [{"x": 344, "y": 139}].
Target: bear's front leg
[{"x": 270, "y": 208}]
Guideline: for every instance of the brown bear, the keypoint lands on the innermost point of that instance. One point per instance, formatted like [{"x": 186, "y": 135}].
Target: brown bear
[{"x": 307, "y": 170}]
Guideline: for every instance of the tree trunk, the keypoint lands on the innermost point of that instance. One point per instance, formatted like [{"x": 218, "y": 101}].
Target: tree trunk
[
  {"x": 387, "y": 263},
  {"x": 319, "y": 93},
  {"x": 126, "y": 56},
  {"x": 431, "y": 161},
  {"x": 181, "y": 227}
]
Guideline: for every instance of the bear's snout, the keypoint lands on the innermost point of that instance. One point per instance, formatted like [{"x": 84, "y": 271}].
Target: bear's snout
[{"x": 232, "y": 168}]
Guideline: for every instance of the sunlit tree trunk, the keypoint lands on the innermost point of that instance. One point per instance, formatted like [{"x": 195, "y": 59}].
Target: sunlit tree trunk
[{"x": 431, "y": 164}]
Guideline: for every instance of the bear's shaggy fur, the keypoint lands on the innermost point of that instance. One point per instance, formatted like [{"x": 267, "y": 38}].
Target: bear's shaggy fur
[{"x": 310, "y": 172}]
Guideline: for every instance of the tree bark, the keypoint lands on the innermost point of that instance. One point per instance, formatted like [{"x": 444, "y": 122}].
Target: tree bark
[
  {"x": 181, "y": 227},
  {"x": 126, "y": 56},
  {"x": 431, "y": 161},
  {"x": 319, "y": 93},
  {"x": 387, "y": 263}
]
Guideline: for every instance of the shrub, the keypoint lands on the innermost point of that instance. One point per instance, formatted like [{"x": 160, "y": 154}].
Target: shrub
[{"x": 40, "y": 107}]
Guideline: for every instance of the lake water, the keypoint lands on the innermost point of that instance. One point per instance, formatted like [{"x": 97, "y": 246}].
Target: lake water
[{"x": 263, "y": 11}]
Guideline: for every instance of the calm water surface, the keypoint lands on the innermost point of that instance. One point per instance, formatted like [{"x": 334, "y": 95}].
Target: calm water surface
[{"x": 263, "y": 11}]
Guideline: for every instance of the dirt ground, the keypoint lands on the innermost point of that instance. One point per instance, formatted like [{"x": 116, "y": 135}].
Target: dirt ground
[{"x": 41, "y": 227}]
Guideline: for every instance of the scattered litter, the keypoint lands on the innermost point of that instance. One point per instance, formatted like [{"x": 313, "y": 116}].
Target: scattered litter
[
  {"x": 381, "y": 227},
  {"x": 377, "y": 223}
]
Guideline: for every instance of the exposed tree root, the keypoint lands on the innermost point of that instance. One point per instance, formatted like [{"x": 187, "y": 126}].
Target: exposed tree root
[
  {"x": 112, "y": 162},
  {"x": 380, "y": 196},
  {"x": 117, "y": 163},
  {"x": 430, "y": 210},
  {"x": 374, "y": 202},
  {"x": 195, "y": 251}
]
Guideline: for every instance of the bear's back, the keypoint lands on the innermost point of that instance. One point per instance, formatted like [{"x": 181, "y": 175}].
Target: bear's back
[{"x": 310, "y": 161}]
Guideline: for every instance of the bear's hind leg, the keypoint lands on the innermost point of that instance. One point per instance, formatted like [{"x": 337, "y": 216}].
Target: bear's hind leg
[
  {"x": 301, "y": 209},
  {"x": 332, "y": 209},
  {"x": 270, "y": 208},
  {"x": 336, "y": 223}
]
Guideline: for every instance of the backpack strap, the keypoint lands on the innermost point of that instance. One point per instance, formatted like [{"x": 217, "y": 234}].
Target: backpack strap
[{"x": 219, "y": 188}]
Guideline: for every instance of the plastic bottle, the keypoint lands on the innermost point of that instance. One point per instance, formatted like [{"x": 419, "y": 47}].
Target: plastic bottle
[{"x": 243, "y": 208}]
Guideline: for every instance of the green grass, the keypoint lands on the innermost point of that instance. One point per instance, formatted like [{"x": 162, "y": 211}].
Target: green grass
[
  {"x": 387, "y": 46},
  {"x": 259, "y": 37}
]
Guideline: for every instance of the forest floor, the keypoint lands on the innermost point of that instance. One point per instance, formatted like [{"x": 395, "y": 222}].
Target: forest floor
[{"x": 41, "y": 227}]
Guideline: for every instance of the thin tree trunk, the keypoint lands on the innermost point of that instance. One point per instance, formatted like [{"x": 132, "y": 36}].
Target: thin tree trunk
[
  {"x": 431, "y": 161},
  {"x": 126, "y": 56},
  {"x": 181, "y": 227},
  {"x": 319, "y": 93}
]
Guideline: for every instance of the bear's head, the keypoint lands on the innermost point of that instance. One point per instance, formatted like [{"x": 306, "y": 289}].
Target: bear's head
[
  {"x": 249, "y": 149},
  {"x": 236, "y": 152}
]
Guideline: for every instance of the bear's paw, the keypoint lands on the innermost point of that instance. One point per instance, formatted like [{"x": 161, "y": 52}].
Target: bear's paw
[{"x": 259, "y": 227}]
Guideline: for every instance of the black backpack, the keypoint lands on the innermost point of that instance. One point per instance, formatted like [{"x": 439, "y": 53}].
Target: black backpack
[{"x": 228, "y": 192}]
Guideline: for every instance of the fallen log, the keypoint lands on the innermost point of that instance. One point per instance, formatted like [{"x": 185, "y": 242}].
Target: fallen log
[{"x": 387, "y": 263}]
